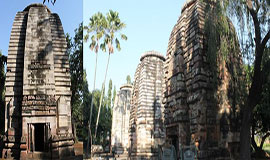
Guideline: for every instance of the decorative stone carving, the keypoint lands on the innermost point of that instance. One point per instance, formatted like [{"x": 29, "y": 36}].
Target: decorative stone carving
[
  {"x": 196, "y": 111},
  {"x": 37, "y": 64},
  {"x": 146, "y": 115}
]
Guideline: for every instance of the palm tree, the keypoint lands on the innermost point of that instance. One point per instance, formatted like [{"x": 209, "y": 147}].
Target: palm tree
[
  {"x": 113, "y": 26},
  {"x": 96, "y": 28}
]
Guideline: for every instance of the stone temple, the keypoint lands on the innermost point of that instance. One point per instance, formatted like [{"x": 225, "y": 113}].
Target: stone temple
[
  {"x": 38, "y": 111},
  {"x": 120, "y": 120},
  {"x": 199, "y": 111},
  {"x": 147, "y": 130}
]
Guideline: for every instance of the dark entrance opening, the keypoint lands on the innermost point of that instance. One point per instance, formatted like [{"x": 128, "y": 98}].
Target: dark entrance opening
[
  {"x": 175, "y": 143},
  {"x": 39, "y": 136}
]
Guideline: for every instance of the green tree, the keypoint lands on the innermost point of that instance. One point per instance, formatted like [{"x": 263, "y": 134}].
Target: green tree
[
  {"x": 95, "y": 29},
  {"x": 260, "y": 122},
  {"x": 109, "y": 101},
  {"x": 253, "y": 18},
  {"x": 87, "y": 101},
  {"x": 114, "y": 95},
  {"x": 113, "y": 27},
  {"x": 52, "y": 1},
  {"x": 106, "y": 119},
  {"x": 105, "y": 126},
  {"x": 87, "y": 98},
  {"x": 128, "y": 79},
  {"x": 3, "y": 61},
  {"x": 261, "y": 113},
  {"x": 75, "y": 51}
]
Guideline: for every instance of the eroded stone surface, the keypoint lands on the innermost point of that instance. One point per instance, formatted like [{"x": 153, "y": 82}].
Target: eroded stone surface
[
  {"x": 196, "y": 111},
  {"x": 120, "y": 120},
  {"x": 146, "y": 115},
  {"x": 38, "y": 84}
]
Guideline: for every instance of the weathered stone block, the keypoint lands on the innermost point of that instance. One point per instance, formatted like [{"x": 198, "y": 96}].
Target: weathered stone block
[
  {"x": 191, "y": 99},
  {"x": 146, "y": 116},
  {"x": 31, "y": 76}
]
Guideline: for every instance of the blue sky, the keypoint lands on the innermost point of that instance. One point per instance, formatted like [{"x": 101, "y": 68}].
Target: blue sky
[
  {"x": 69, "y": 11},
  {"x": 149, "y": 25}
]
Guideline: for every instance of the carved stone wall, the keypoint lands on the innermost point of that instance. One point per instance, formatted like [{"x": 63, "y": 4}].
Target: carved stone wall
[
  {"x": 199, "y": 110},
  {"x": 120, "y": 120},
  {"x": 146, "y": 115},
  {"x": 37, "y": 87}
]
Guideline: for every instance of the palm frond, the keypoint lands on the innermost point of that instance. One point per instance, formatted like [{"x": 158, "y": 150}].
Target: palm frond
[
  {"x": 93, "y": 38},
  {"x": 124, "y": 37},
  {"x": 86, "y": 37},
  {"x": 85, "y": 27},
  {"x": 96, "y": 27},
  {"x": 114, "y": 26},
  {"x": 103, "y": 47},
  {"x": 92, "y": 45},
  {"x": 117, "y": 43}
]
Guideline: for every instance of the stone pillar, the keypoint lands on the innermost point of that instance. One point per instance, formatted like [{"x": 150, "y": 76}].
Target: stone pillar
[{"x": 146, "y": 117}]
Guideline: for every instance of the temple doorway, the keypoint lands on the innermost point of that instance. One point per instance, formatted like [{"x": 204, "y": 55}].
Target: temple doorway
[
  {"x": 39, "y": 137},
  {"x": 39, "y": 134},
  {"x": 175, "y": 143}
]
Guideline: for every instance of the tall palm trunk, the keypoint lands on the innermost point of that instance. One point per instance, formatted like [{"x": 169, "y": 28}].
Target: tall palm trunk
[
  {"x": 91, "y": 111},
  {"x": 102, "y": 94}
]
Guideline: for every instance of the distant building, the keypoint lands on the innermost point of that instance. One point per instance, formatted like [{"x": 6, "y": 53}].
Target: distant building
[{"x": 120, "y": 120}]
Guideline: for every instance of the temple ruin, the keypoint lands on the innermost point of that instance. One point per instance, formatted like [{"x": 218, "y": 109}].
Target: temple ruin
[
  {"x": 146, "y": 115},
  {"x": 38, "y": 111},
  {"x": 202, "y": 107},
  {"x": 120, "y": 121}
]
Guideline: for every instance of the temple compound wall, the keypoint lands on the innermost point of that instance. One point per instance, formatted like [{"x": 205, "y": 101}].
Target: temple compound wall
[
  {"x": 38, "y": 111},
  {"x": 146, "y": 115},
  {"x": 120, "y": 120},
  {"x": 201, "y": 106}
]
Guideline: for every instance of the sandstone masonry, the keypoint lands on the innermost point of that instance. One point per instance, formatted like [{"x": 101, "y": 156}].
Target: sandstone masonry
[
  {"x": 120, "y": 120},
  {"x": 196, "y": 111},
  {"x": 146, "y": 115},
  {"x": 38, "y": 113}
]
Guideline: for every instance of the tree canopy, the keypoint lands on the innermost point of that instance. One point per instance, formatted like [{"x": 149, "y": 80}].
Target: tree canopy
[
  {"x": 128, "y": 79},
  {"x": 113, "y": 27},
  {"x": 52, "y": 1},
  {"x": 3, "y": 61},
  {"x": 254, "y": 34},
  {"x": 75, "y": 51}
]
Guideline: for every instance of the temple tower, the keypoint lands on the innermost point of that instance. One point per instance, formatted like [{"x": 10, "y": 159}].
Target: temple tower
[
  {"x": 146, "y": 116},
  {"x": 38, "y": 111},
  {"x": 120, "y": 120},
  {"x": 203, "y": 89}
]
